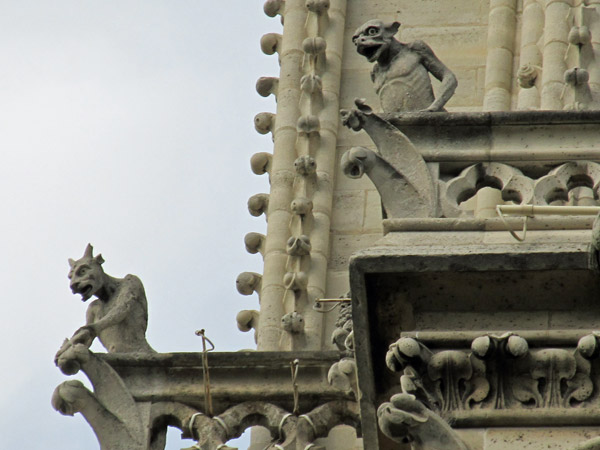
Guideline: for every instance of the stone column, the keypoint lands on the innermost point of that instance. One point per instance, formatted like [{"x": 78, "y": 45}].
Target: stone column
[
  {"x": 501, "y": 42},
  {"x": 556, "y": 31},
  {"x": 325, "y": 157},
  {"x": 531, "y": 56},
  {"x": 281, "y": 176}
]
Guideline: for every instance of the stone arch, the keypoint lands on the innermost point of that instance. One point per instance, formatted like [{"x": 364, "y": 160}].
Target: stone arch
[{"x": 510, "y": 181}]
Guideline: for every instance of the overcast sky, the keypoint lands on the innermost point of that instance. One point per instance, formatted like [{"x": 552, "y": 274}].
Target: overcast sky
[{"x": 129, "y": 125}]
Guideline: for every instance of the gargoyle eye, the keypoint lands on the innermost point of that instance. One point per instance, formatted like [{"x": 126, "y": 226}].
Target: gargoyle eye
[{"x": 372, "y": 31}]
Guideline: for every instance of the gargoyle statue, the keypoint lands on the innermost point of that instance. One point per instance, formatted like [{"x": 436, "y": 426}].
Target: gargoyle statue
[
  {"x": 118, "y": 316},
  {"x": 401, "y": 70},
  {"x": 406, "y": 420}
]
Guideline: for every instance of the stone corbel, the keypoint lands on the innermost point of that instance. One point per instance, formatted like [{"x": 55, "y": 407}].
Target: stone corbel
[
  {"x": 406, "y": 420},
  {"x": 398, "y": 170}
]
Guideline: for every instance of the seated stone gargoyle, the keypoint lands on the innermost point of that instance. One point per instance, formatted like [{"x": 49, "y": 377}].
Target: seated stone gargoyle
[
  {"x": 401, "y": 70},
  {"x": 118, "y": 316}
]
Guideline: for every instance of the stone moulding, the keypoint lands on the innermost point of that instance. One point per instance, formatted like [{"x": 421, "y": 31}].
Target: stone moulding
[
  {"x": 421, "y": 158},
  {"x": 498, "y": 372},
  {"x": 492, "y": 224},
  {"x": 532, "y": 141},
  {"x": 136, "y": 396}
]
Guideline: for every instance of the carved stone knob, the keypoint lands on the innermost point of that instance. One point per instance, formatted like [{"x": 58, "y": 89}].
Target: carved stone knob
[
  {"x": 317, "y": 6},
  {"x": 580, "y": 35},
  {"x": 254, "y": 242},
  {"x": 305, "y": 165},
  {"x": 517, "y": 346},
  {"x": 588, "y": 346},
  {"x": 247, "y": 320},
  {"x": 308, "y": 124},
  {"x": 258, "y": 204},
  {"x": 264, "y": 122},
  {"x": 248, "y": 282},
  {"x": 526, "y": 75},
  {"x": 298, "y": 245},
  {"x": 260, "y": 163},
  {"x": 482, "y": 346},
  {"x": 301, "y": 206},
  {"x": 273, "y": 7},
  {"x": 314, "y": 45},
  {"x": 577, "y": 76},
  {"x": 408, "y": 347},
  {"x": 295, "y": 281},
  {"x": 270, "y": 43},
  {"x": 266, "y": 86},
  {"x": 293, "y": 322},
  {"x": 311, "y": 83}
]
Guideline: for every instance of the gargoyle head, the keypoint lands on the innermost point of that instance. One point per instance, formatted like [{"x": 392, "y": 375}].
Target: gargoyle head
[
  {"x": 400, "y": 418},
  {"x": 374, "y": 38},
  {"x": 86, "y": 274}
]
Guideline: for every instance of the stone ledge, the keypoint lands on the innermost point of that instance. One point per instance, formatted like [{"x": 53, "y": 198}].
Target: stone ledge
[
  {"x": 489, "y": 224},
  {"x": 178, "y": 377}
]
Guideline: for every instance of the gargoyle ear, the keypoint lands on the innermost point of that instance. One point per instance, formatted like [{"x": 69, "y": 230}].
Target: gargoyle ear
[
  {"x": 71, "y": 262},
  {"x": 392, "y": 28},
  {"x": 99, "y": 259}
]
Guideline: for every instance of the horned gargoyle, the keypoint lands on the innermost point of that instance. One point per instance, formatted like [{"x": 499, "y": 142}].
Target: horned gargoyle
[{"x": 118, "y": 316}]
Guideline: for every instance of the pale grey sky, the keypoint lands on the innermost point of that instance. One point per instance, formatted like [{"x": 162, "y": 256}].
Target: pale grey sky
[{"x": 127, "y": 124}]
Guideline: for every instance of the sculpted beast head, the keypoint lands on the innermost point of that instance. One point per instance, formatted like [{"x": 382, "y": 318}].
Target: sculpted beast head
[
  {"x": 86, "y": 274},
  {"x": 374, "y": 38}
]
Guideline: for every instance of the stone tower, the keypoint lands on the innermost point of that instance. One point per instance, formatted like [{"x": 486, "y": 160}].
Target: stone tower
[{"x": 430, "y": 262}]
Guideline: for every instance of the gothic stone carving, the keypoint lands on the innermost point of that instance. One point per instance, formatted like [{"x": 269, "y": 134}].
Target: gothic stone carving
[
  {"x": 398, "y": 170},
  {"x": 401, "y": 70},
  {"x": 110, "y": 410},
  {"x": 558, "y": 186},
  {"x": 118, "y": 316},
  {"x": 406, "y": 420},
  {"x": 514, "y": 186},
  {"x": 500, "y": 372}
]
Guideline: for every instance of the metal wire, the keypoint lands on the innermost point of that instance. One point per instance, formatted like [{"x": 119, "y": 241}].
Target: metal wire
[{"x": 205, "y": 372}]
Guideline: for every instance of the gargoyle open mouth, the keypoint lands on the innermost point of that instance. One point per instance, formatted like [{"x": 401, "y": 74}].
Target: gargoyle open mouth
[
  {"x": 370, "y": 51},
  {"x": 85, "y": 291}
]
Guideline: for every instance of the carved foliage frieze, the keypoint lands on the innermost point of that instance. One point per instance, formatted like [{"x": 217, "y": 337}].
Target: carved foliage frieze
[{"x": 499, "y": 372}]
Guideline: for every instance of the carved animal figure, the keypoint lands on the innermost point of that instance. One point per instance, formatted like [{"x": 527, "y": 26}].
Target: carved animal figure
[
  {"x": 401, "y": 70},
  {"x": 118, "y": 316},
  {"x": 407, "y": 420}
]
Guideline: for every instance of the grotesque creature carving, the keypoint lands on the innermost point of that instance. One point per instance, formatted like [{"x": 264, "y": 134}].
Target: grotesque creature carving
[
  {"x": 404, "y": 419},
  {"x": 401, "y": 70},
  {"x": 118, "y": 316}
]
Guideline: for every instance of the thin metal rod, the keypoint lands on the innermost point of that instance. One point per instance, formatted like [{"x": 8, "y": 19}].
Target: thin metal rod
[
  {"x": 333, "y": 300},
  {"x": 205, "y": 372}
]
